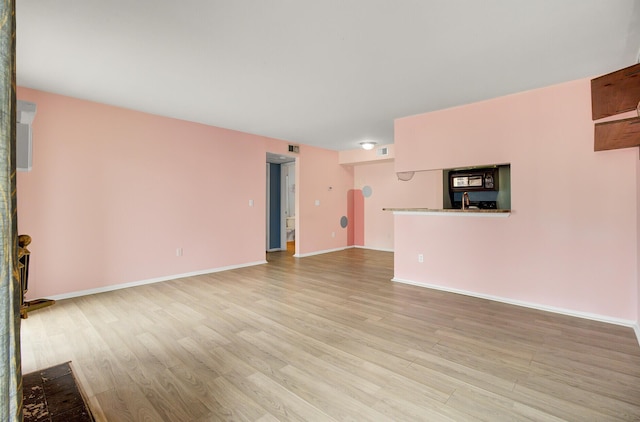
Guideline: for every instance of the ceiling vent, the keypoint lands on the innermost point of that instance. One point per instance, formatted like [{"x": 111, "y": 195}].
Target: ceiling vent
[
  {"x": 294, "y": 148},
  {"x": 381, "y": 152}
]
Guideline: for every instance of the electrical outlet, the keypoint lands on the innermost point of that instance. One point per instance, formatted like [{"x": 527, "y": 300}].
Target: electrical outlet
[
  {"x": 179, "y": 252},
  {"x": 420, "y": 257},
  {"x": 333, "y": 234}
]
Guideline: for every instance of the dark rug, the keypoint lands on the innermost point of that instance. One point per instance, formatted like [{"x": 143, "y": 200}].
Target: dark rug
[{"x": 52, "y": 395}]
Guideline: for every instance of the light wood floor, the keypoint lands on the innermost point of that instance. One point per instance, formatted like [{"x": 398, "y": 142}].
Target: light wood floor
[{"x": 329, "y": 337}]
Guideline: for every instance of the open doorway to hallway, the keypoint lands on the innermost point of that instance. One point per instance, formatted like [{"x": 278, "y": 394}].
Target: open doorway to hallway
[{"x": 281, "y": 199}]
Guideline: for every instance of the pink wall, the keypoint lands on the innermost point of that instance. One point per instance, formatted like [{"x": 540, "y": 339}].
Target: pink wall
[
  {"x": 321, "y": 179},
  {"x": 389, "y": 192},
  {"x": 572, "y": 239},
  {"x": 358, "y": 218},
  {"x": 355, "y": 218},
  {"x": 114, "y": 192}
]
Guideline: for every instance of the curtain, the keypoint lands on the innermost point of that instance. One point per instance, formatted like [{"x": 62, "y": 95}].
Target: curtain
[{"x": 10, "y": 290}]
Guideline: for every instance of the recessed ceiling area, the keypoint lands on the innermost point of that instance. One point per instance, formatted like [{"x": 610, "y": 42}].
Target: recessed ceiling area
[
  {"x": 324, "y": 73},
  {"x": 279, "y": 158}
]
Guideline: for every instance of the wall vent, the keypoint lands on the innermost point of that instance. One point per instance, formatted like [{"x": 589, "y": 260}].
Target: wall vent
[
  {"x": 382, "y": 151},
  {"x": 294, "y": 148},
  {"x": 24, "y": 147},
  {"x": 25, "y": 113}
]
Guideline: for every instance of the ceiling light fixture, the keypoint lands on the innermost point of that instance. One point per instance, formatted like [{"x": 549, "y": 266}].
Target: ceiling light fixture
[{"x": 367, "y": 145}]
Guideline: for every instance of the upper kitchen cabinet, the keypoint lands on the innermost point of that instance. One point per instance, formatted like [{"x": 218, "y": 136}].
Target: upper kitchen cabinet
[
  {"x": 615, "y": 92},
  {"x": 612, "y": 94},
  {"x": 623, "y": 133}
]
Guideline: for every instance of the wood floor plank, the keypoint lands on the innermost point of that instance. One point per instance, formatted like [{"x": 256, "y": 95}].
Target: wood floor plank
[
  {"x": 407, "y": 409},
  {"x": 485, "y": 405},
  {"x": 400, "y": 373},
  {"x": 238, "y": 405},
  {"x": 349, "y": 384},
  {"x": 126, "y": 403},
  {"x": 330, "y": 337},
  {"x": 326, "y": 397},
  {"x": 553, "y": 355},
  {"x": 200, "y": 359},
  {"x": 96, "y": 373},
  {"x": 581, "y": 396},
  {"x": 276, "y": 398},
  {"x": 622, "y": 387},
  {"x": 461, "y": 372},
  {"x": 557, "y": 405}
]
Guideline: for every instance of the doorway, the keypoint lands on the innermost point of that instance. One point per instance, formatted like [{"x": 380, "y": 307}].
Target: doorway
[{"x": 281, "y": 199}]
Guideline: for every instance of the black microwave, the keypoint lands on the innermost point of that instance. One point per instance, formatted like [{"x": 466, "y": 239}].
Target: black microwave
[{"x": 474, "y": 180}]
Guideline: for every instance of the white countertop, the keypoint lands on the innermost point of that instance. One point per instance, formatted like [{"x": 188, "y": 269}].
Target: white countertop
[{"x": 474, "y": 212}]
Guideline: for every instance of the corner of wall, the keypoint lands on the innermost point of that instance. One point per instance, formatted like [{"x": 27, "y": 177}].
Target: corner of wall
[{"x": 637, "y": 327}]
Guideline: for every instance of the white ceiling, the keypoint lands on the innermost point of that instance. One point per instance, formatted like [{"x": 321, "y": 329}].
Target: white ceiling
[{"x": 328, "y": 73}]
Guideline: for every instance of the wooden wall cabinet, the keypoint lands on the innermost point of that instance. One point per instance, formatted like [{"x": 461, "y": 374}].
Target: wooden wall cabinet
[{"x": 612, "y": 94}]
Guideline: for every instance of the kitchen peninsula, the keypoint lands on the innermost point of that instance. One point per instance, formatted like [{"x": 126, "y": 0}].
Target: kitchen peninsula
[
  {"x": 477, "y": 191},
  {"x": 564, "y": 247}
]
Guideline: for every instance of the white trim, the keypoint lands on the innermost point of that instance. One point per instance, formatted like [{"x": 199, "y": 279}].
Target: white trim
[
  {"x": 456, "y": 213},
  {"x": 267, "y": 207},
  {"x": 374, "y": 249},
  {"x": 636, "y": 328},
  {"x": 585, "y": 315},
  {"x": 276, "y": 250},
  {"x": 322, "y": 252},
  {"x": 112, "y": 287},
  {"x": 284, "y": 200}
]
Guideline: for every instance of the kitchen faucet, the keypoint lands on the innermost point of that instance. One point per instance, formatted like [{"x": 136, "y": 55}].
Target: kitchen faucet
[{"x": 465, "y": 200}]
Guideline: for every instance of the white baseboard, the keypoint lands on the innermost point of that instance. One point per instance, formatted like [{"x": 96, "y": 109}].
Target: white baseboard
[
  {"x": 322, "y": 252},
  {"x": 150, "y": 281},
  {"x": 585, "y": 315},
  {"x": 636, "y": 328},
  {"x": 374, "y": 249}
]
